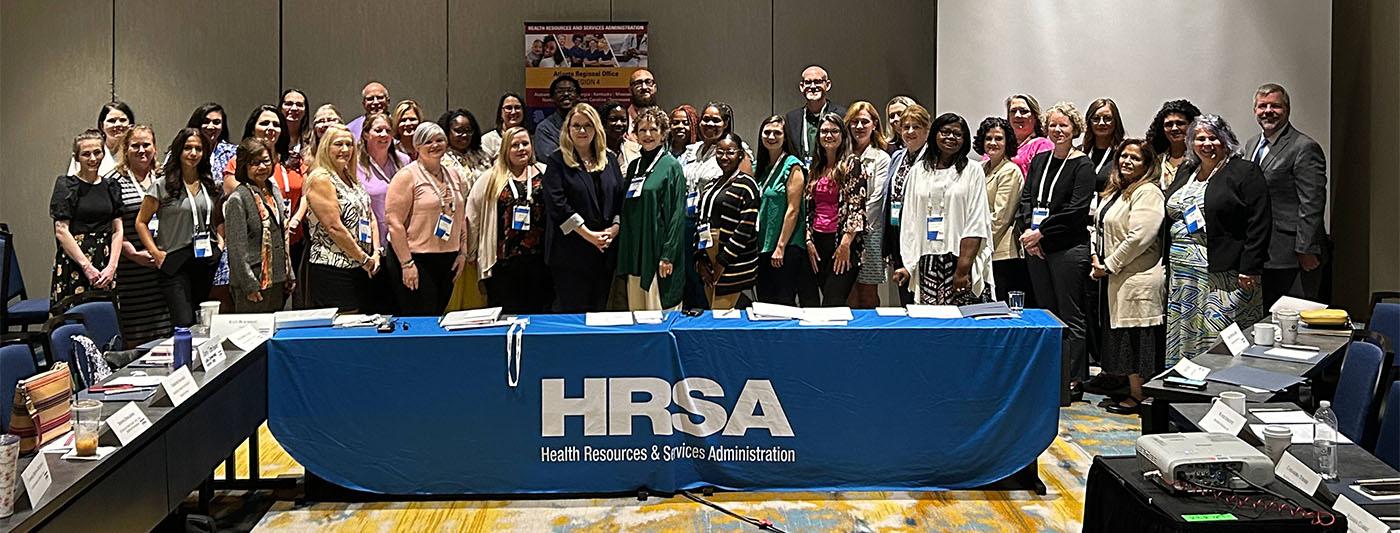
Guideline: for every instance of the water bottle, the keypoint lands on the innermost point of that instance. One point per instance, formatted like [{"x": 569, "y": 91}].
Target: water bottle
[
  {"x": 184, "y": 347},
  {"x": 1325, "y": 440}
]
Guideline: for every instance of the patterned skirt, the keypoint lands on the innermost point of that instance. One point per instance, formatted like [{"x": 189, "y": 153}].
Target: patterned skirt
[
  {"x": 140, "y": 304},
  {"x": 936, "y": 283},
  {"x": 68, "y": 276},
  {"x": 1132, "y": 351},
  {"x": 872, "y": 266},
  {"x": 1200, "y": 304}
]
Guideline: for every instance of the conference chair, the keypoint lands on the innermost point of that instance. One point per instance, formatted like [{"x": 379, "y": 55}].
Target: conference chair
[
  {"x": 1387, "y": 446},
  {"x": 1357, "y": 389},
  {"x": 1385, "y": 316},
  {"x": 16, "y": 363},
  {"x": 61, "y": 330},
  {"x": 24, "y": 312},
  {"x": 103, "y": 327}
]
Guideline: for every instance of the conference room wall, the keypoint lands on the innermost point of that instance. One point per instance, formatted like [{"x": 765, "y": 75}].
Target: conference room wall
[{"x": 56, "y": 60}]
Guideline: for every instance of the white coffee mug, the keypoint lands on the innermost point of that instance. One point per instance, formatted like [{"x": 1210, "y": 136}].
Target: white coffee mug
[
  {"x": 1233, "y": 400},
  {"x": 1264, "y": 334}
]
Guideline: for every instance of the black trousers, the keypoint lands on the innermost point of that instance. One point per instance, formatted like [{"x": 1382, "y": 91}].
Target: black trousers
[
  {"x": 521, "y": 285},
  {"x": 1059, "y": 281},
  {"x": 786, "y": 284},
  {"x": 581, "y": 285},
  {"x": 434, "y": 285},
  {"x": 346, "y": 289},
  {"x": 1295, "y": 282},
  {"x": 834, "y": 288},
  {"x": 187, "y": 285},
  {"x": 1011, "y": 275}
]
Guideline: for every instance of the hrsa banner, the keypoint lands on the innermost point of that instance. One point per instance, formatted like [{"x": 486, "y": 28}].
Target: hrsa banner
[{"x": 600, "y": 55}]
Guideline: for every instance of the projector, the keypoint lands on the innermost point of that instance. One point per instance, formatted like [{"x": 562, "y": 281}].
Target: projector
[{"x": 1213, "y": 460}]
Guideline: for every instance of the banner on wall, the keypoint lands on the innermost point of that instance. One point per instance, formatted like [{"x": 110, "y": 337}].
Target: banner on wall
[{"x": 600, "y": 55}]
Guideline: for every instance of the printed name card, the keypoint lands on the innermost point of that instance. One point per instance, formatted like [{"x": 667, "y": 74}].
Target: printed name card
[
  {"x": 1222, "y": 419},
  {"x": 179, "y": 386},
  {"x": 1358, "y": 520},
  {"x": 37, "y": 479},
  {"x": 211, "y": 353},
  {"x": 247, "y": 337},
  {"x": 128, "y": 423},
  {"x": 1296, "y": 473},
  {"x": 1234, "y": 339}
]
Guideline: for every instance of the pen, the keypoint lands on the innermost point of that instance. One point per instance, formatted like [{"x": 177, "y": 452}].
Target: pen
[{"x": 1378, "y": 480}]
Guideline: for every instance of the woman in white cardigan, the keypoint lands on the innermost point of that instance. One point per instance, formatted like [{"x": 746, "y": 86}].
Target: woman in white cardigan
[
  {"x": 945, "y": 227},
  {"x": 1130, "y": 255}
]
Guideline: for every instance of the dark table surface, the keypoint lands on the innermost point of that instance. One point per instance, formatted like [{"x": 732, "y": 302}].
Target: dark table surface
[
  {"x": 1219, "y": 357},
  {"x": 1353, "y": 462}
]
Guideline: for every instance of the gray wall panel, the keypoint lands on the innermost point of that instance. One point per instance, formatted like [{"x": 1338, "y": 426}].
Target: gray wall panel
[
  {"x": 164, "y": 74},
  {"x": 872, "y": 51},
  {"x": 57, "y": 65},
  {"x": 719, "y": 50},
  {"x": 485, "y": 49},
  {"x": 331, "y": 49}
]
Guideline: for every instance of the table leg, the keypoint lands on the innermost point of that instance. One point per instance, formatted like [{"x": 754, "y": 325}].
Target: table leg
[{"x": 1154, "y": 416}]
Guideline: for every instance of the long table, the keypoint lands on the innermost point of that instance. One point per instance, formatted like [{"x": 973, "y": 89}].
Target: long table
[
  {"x": 136, "y": 486},
  {"x": 883, "y": 403}
]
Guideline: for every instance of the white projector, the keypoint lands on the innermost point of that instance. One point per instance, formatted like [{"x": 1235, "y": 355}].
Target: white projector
[{"x": 1206, "y": 459}]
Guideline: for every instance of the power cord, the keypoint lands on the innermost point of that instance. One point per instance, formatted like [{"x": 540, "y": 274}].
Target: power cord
[{"x": 759, "y": 523}]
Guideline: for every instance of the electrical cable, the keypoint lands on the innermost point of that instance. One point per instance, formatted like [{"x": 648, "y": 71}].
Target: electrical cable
[{"x": 759, "y": 523}]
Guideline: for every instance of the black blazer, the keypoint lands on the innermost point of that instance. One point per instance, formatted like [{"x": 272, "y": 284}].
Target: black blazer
[
  {"x": 797, "y": 117},
  {"x": 1238, "y": 220},
  {"x": 595, "y": 196},
  {"x": 1068, "y": 223}
]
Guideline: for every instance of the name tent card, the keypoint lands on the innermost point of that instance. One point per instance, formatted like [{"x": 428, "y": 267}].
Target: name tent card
[
  {"x": 1293, "y": 471},
  {"x": 128, "y": 423},
  {"x": 1234, "y": 339},
  {"x": 246, "y": 338},
  {"x": 1222, "y": 419},
  {"x": 37, "y": 479},
  {"x": 179, "y": 386},
  {"x": 211, "y": 353}
]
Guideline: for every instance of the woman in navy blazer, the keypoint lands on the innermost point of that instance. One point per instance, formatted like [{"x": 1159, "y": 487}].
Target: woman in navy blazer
[{"x": 584, "y": 188}]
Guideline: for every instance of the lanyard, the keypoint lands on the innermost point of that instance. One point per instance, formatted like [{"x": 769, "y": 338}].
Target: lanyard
[
  {"x": 1107, "y": 154},
  {"x": 529, "y": 186},
  {"x": 806, "y": 142},
  {"x": 1040, "y": 197},
  {"x": 194, "y": 207},
  {"x": 1103, "y": 213},
  {"x": 448, "y": 206},
  {"x": 707, "y": 204},
  {"x": 376, "y": 169},
  {"x": 281, "y": 179},
  {"x": 768, "y": 182},
  {"x": 636, "y": 163}
]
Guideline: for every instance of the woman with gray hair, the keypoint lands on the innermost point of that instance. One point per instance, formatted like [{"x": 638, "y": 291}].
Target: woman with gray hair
[
  {"x": 1218, "y": 225},
  {"x": 427, "y": 210}
]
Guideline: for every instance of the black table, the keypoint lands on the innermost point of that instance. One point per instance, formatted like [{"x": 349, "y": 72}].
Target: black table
[
  {"x": 1353, "y": 462},
  {"x": 1155, "y": 410},
  {"x": 1117, "y": 498},
  {"x": 136, "y": 486}
]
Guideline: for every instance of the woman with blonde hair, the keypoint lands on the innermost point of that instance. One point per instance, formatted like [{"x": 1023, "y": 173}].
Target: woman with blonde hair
[
  {"x": 868, "y": 144},
  {"x": 893, "y": 111},
  {"x": 140, "y": 303},
  {"x": 341, "y": 227},
  {"x": 407, "y": 115},
  {"x": 509, "y": 228},
  {"x": 326, "y": 116},
  {"x": 584, "y": 189}
]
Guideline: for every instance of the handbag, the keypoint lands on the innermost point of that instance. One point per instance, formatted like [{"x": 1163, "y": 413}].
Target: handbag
[{"x": 40, "y": 410}]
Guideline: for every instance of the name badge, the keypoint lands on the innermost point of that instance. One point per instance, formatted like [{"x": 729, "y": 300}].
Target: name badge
[
  {"x": 202, "y": 247},
  {"x": 934, "y": 228},
  {"x": 154, "y": 225},
  {"x": 1195, "y": 221},
  {"x": 364, "y": 231},
  {"x": 895, "y": 208},
  {"x": 634, "y": 189},
  {"x": 287, "y": 204},
  {"x": 520, "y": 218},
  {"x": 1038, "y": 215},
  {"x": 692, "y": 199},
  {"x": 706, "y": 240},
  {"x": 807, "y": 162},
  {"x": 444, "y": 227}
]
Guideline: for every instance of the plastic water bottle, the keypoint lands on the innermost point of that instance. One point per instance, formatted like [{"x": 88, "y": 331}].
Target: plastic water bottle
[
  {"x": 184, "y": 348},
  {"x": 1325, "y": 440}
]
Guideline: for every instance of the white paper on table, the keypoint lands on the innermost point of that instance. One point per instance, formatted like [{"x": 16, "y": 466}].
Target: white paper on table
[
  {"x": 247, "y": 338},
  {"x": 1255, "y": 390},
  {"x": 1222, "y": 419},
  {"x": 224, "y": 325},
  {"x": 891, "y": 311},
  {"x": 59, "y": 445},
  {"x": 357, "y": 321},
  {"x": 1293, "y": 471},
  {"x": 1187, "y": 369},
  {"x": 1302, "y": 433},
  {"x": 649, "y": 317},
  {"x": 775, "y": 310},
  {"x": 135, "y": 381},
  {"x": 37, "y": 479},
  {"x": 1234, "y": 339},
  {"x": 827, "y": 314},
  {"x": 990, "y": 317},
  {"x": 1358, "y": 520},
  {"x": 1371, "y": 498},
  {"x": 759, "y": 317},
  {"x": 608, "y": 318},
  {"x": 102, "y": 451},
  {"x": 1296, "y": 304},
  {"x": 726, "y": 313},
  {"x": 1283, "y": 417},
  {"x": 934, "y": 311},
  {"x": 1302, "y": 355},
  {"x": 822, "y": 323},
  {"x": 304, "y": 318},
  {"x": 466, "y": 316}
]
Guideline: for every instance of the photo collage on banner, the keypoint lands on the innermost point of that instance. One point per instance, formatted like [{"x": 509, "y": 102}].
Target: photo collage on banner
[{"x": 600, "y": 55}]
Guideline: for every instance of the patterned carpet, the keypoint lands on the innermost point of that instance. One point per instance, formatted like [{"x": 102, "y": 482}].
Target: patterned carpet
[{"x": 1085, "y": 431}]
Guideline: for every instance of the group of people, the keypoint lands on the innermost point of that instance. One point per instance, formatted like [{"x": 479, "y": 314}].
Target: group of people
[{"x": 1144, "y": 247}]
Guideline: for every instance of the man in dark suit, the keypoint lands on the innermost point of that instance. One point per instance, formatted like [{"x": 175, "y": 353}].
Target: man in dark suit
[
  {"x": 802, "y": 122},
  {"x": 1296, "y": 172}
]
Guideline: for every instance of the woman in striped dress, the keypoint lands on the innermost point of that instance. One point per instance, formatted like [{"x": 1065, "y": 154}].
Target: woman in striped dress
[
  {"x": 140, "y": 304},
  {"x": 727, "y": 226}
]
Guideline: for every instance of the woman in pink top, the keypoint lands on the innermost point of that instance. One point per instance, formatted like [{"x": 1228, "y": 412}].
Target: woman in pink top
[
  {"x": 836, "y": 212},
  {"x": 377, "y": 161},
  {"x": 1023, "y": 111},
  {"x": 426, "y": 207}
]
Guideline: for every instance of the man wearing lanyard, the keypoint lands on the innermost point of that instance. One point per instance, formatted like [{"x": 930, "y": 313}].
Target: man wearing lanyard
[{"x": 802, "y": 122}]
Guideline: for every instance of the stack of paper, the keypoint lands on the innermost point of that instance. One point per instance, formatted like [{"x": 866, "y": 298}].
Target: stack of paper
[
  {"x": 609, "y": 318},
  {"x": 987, "y": 310},
  {"x": 360, "y": 321},
  {"x": 891, "y": 311},
  {"x": 472, "y": 318},
  {"x": 767, "y": 311},
  {"x": 826, "y": 316},
  {"x": 305, "y": 318},
  {"x": 649, "y": 317},
  {"x": 934, "y": 311}
]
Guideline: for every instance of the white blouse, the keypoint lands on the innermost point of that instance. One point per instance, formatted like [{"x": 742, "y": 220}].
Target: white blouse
[{"x": 961, "y": 199}]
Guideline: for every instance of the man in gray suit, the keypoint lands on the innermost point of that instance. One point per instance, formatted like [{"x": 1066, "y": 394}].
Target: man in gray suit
[{"x": 1296, "y": 171}]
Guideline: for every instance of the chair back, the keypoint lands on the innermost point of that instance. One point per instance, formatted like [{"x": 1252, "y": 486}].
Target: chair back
[
  {"x": 1385, "y": 319},
  {"x": 12, "y": 278},
  {"x": 16, "y": 363},
  {"x": 102, "y": 323},
  {"x": 1356, "y": 389},
  {"x": 1388, "y": 438}
]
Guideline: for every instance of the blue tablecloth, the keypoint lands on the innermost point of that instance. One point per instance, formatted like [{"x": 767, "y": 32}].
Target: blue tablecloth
[{"x": 884, "y": 403}]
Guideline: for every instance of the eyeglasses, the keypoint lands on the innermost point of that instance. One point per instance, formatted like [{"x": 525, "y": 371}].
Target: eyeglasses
[
  {"x": 1020, "y": 112},
  {"x": 581, "y": 127},
  {"x": 263, "y": 162},
  {"x": 1106, "y": 120},
  {"x": 1174, "y": 124},
  {"x": 951, "y": 134},
  {"x": 813, "y": 83},
  {"x": 829, "y": 132},
  {"x": 643, "y": 83},
  {"x": 727, "y": 152}
]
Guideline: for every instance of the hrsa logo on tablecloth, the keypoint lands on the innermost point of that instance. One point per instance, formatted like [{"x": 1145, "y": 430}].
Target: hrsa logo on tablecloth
[{"x": 608, "y": 407}]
